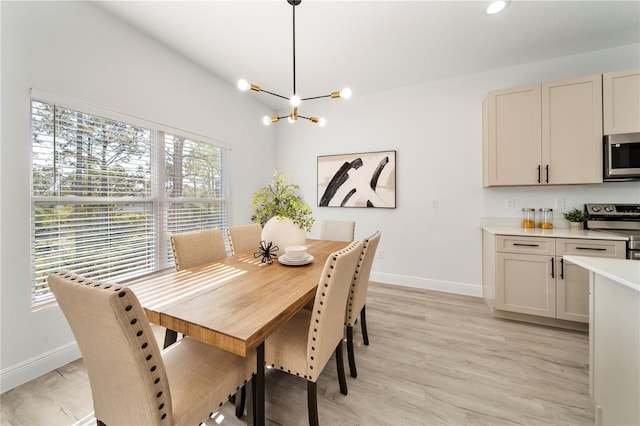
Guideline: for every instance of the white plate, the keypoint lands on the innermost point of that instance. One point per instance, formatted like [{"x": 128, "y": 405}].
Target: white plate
[{"x": 305, "y": 260}]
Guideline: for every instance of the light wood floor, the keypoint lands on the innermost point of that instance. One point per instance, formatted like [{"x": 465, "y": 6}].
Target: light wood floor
[{"x": 433, "y": 359}]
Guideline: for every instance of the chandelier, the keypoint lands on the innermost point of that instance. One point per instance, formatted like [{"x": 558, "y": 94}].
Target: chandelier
[{"x": 294, "y": 100}]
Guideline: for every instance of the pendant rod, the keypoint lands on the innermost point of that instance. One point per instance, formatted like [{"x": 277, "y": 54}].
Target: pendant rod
[{"x": 294, "y": 48}]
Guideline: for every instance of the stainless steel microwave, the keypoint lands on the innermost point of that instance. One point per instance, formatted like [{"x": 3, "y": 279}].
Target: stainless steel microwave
[{"x": 622, "y": 157}]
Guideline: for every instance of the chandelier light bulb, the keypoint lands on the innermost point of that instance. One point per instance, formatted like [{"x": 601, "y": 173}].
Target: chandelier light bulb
[
  {"x": 291, "y": 120},
  {"x": 266, "y": 120},
  {"x": 322, "y": 122},
  {"x": 345, "y": 93},
  {"x": 243, "y": 85},
  {"x": 295, "y": 100}
]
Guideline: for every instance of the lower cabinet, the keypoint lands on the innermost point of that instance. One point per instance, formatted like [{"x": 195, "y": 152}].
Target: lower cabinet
[{"x": 532, "y": 278}]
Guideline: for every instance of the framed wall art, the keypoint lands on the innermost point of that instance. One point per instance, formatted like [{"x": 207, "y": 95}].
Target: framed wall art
[{"x": 357, "y": 180}]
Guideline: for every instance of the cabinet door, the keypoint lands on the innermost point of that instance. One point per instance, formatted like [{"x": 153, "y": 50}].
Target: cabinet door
[
  {"x": 572, "y": 292},
  {"x": 512, "y": 146},
  {"x": 621, "y": 102},
  {"x": 572, "y": 131},
  {"x": 526, "y": 284}
]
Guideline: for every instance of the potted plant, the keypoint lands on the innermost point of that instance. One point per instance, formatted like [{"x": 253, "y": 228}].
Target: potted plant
[
  {"x": 284, "y": 216},
  {"x": 576, "y": 217}
]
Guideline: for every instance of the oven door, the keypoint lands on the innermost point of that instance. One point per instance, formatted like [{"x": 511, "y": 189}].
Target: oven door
[{"x": 622, "y": 157}]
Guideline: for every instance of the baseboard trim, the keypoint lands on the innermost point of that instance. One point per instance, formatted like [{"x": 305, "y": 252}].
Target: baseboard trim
[
  {"x": 35, "y": 367},
  {"x": 427, "y": 284}
]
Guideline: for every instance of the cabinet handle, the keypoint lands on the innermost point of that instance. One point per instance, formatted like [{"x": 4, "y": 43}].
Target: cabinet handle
[
  {"x": 562, "y": 269},
  {"x": 539, "y": 173},
  {"x": 591, "y": 248},
  {"x": 547, "y": 171},
  {"x": 553, "y": 272},
  {"x": 526, "y": 245}
]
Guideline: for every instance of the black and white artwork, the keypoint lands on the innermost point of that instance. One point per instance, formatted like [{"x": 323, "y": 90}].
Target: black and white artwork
[{"x": 357, "y": 180}]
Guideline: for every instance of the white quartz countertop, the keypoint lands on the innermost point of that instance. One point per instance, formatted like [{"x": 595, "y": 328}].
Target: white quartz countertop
[
  {"x": 553, "y": 233},
  {"x": 626, "y": 272}
]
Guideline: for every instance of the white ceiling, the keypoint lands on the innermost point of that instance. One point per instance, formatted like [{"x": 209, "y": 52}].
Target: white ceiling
[{"x": 374, "y": 45}]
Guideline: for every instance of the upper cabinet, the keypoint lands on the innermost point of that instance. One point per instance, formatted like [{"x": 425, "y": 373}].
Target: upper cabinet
[
  {"x": 621, "y": 102},
  {"x": 544, "y": 134}
]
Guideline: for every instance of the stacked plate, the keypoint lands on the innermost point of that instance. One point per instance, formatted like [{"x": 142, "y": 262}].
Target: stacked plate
[{"x": 304, "y": 260}]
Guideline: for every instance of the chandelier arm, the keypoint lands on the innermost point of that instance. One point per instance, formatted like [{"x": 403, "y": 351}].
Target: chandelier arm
[
  {"x": 315, "y": 97},
  {"x": 274, "y": 94}
]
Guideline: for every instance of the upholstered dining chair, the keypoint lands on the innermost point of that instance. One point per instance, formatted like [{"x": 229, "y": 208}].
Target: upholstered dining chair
[
  {"x": 197, "y": 248},
  {"x": 192, "y": 249},
  {"x": 303, "y": 345},
  {"x": 132, "y": 381},
  {"x": 244, "y": 237},
  {"x": 338, "y": 230},
  {"x": 358, "y": 297}
]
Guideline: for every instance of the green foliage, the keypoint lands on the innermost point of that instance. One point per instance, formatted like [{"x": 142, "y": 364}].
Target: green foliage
[
  {"x": 575, "y": 215},
  {"x": 278, "y": 198}
]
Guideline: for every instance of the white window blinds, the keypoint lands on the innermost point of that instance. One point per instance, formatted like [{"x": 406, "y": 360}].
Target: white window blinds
[{"x": 107, "y": 194}]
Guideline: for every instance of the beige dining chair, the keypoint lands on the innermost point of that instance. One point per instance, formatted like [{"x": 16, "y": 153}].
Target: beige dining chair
[
  {"x": 337, "y": 230},
  {"x": 303, "y": 345},
  {"x": 192, "y": 249},
  {"x": 358, "y": 297},
  {"x": 244, "y": 238},
  {"x": 132, "y": 381},
  {"x": 197, "y": 248}
]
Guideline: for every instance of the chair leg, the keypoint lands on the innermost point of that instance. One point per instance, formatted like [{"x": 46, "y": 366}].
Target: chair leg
[
  {"x": 350, "y": 353},
  {"x": 312, "y": 403},
  {"x": 340, "y": 366},
  {"x": 170, "y": 337},
  {"x": 239, "y": 400},
  {"x": 363, "y": 324}
]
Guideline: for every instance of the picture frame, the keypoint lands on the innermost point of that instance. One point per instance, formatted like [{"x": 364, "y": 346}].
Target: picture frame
[{"x": 365, "y": 179}]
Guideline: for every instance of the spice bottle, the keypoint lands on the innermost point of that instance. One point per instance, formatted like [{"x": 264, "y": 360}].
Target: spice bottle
[
  {"x": 546, "y": 218},
  {"x": 528, "y": 217}
]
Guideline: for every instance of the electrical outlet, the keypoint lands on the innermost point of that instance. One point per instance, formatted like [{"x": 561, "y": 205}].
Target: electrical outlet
[
  {"x": 510, "y": 203},
  {"x": 434, "y": 204},
  {"x": 559, "y": 203}
]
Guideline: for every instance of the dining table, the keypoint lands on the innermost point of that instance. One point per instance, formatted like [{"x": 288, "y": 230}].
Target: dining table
[{"x": 234, "y": 303}]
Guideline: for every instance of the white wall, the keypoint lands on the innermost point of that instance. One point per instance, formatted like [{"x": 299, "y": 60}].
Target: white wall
[
  {"x": 76, "y": 50},
  {"x": 436, "y": 129}
]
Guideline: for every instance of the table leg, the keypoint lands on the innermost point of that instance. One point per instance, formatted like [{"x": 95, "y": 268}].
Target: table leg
[{"x": 258, "y": 419}]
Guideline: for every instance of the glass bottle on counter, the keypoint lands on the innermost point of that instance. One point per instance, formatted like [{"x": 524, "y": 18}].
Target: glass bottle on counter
[
  {"x": 546, "y": 218},
  {"x": 528, "y": 217}
]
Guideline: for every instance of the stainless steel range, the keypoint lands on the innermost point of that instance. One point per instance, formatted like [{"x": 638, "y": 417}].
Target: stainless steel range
[{"x": 617, "y": 219}]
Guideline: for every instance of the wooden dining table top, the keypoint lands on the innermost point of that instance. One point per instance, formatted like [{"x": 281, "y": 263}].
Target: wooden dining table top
[{"x": 234, "y": 303}]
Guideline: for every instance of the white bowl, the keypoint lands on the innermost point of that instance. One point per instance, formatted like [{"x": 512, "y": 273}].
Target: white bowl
[{"x": 295, "y": 252}]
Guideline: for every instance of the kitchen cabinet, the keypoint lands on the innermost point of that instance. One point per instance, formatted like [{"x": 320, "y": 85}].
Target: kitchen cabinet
[
  {"x": 532, "y": 278},
  {"x": 542, "y": 134},
  {"x": 621, "y": 102}
]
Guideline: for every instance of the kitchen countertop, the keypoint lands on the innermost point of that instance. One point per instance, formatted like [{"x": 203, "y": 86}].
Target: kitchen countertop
[
  {"x": 553, "y": 233},
  {"x": 623, "y": 271}
]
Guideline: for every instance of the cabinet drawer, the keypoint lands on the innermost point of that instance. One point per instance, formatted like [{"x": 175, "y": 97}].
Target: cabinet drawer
[
  {"x": 583, "y": 247},
  {"x": 525, "y": 245}
]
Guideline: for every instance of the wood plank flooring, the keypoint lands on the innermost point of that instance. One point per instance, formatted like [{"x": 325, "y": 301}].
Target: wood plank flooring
[{"x": 434, "y": 359}]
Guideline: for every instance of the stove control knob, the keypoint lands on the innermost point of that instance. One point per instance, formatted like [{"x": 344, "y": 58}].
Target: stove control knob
[
  {"x": 609, "y": 209},
  {"x": 595, "y": 208}
]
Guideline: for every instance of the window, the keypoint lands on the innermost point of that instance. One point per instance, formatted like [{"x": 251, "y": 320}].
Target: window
[{"x": 108, "y": 192}]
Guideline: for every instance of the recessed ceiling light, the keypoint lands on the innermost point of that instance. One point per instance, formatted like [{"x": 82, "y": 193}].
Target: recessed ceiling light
[{"x": 497, "y": 6}]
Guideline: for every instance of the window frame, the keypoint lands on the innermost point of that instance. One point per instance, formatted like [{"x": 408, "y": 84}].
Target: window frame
[{"x": 158, "y": 197}]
